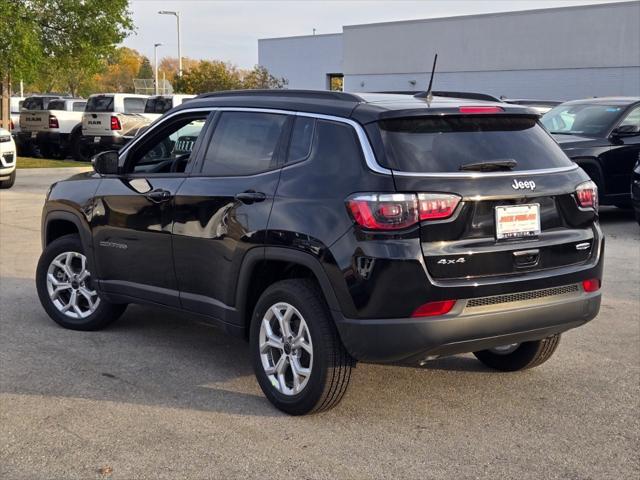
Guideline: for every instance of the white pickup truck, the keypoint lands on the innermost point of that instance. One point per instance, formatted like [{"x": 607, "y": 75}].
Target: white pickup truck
[
  {"x": 53, "y": 128},
  {"x": 109, "y": 121},
  {"x": 15, "y": 104},
  {"x": 32, "y": 113}
]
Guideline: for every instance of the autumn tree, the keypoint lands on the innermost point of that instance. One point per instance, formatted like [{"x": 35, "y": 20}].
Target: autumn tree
[
  {"x": 145, "y": 69},
  {"x": 74, "y": 36},
  {"x": 260, "y": 77},
  {"x": 209, "y": 76},
  {"x": 122, "y": 66}
]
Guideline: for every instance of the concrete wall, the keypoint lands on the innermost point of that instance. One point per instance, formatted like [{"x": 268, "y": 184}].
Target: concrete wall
[
  {"x": 559, "y": 54},
  {"x": 303, "y": 61}
]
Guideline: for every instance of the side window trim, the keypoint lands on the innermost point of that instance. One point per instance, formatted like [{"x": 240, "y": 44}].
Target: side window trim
[{"x": 197, "y": 148}]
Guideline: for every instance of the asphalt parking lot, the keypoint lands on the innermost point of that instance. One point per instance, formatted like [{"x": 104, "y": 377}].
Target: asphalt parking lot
[{"x": 159, "y": 395}]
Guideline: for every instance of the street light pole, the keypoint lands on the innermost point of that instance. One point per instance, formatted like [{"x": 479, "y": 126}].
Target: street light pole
[
  {"x": 155, "y": 64},
  {"x": 177, "y": 15}
]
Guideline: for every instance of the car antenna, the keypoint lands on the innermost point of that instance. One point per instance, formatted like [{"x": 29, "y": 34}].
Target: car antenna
[{"x": 429, "y": 93}]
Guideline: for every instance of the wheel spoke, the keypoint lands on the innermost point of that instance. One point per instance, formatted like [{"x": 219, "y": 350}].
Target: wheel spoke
[
  {"x": 285, "y": 331},
  {"x": 67, "y": 264},
  {"x": 88, "y": 295},
  {"x": 299, "y": 370}
]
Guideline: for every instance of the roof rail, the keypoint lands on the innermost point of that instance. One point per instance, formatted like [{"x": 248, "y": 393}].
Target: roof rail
[
  {"x": 312, "y": 94},
  {"x": 469, "y": 95}
]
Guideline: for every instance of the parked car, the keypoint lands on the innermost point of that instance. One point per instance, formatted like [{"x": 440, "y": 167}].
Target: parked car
[
  {"x": 602, "y": 135},
  {"x": 53, "y": 128},
  {"x": 158, "y": 105},
  {"x": 330, "y": 227},
  {"x": 110, "y": 121},
  {"x": 635, "y": 191},
  {"x": 540, "y": 106},
  {"x": 32, "y": 115},
  {"x": 15, "y": 104},
  {"x": 8, "y": 159}
]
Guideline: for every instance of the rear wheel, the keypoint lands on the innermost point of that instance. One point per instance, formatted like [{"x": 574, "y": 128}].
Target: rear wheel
[
  {"x": 298, "y": 357},
  {"x": 66, "y": 289},
  {"x": 519, "y": 356}
]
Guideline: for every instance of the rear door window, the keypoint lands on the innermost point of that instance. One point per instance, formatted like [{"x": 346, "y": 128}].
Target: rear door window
[
  {"x": 301, "y": 139},
  {"x": 134, "y": 105},
  {"x": 78, "y": 106},
  {"x": 56, "y": 105},
  {"x": 244, "y": 143},
  {"x": 444, "y": 144},
  {"x": 100, "y": 103},
  {"x": 158, "y": 105}
]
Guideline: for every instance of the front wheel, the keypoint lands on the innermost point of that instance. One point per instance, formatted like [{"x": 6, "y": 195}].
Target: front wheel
[
  {"x": 298, "y": 357},
  {"x": 519, "y": 356},
  {"x": 66, "y": 288}
]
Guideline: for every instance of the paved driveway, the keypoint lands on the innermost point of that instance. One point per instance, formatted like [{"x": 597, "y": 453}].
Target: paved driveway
[{"x": 159, "y": 395}]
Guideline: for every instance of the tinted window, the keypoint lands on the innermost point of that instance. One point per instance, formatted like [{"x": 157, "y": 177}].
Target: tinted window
[
  {"x": 33, "y": 103},
  {"x": 593, "y": 120},
  {"x": 56, "y": 105},
  {"x": 134, "y": 105},
  {"x": 99, "y": 103},
  {"x": 79, "y": 106},
  {"x": 158, "y": 105},
  {"x": 443, "y": 144},
  {"x": 243, "y": 143},
  {"x": 301, "y": 138},
  {"x": 170, "y": 150}
]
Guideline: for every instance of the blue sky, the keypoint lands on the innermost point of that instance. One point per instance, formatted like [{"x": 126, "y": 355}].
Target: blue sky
[{"x": 229, "y": 30}]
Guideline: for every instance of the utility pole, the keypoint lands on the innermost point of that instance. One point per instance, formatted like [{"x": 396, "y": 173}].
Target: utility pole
[
  {"x": 177, "y": 15},
  {"x": 155, "y": 65}
]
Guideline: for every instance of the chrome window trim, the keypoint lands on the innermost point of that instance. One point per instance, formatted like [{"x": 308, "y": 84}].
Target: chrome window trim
[{"x": 367, "y": 150}]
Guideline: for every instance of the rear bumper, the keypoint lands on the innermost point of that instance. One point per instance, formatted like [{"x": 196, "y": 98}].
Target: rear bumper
[
  {"x": 107, "y": 142},
  {"x": 53, "y": 138},
  {"x": 467, "y": 328}
]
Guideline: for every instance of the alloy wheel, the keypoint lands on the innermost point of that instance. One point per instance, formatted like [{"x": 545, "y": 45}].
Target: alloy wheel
[
  {"x": 286, "y": 349},
  {"x": 69, "y": 285}
]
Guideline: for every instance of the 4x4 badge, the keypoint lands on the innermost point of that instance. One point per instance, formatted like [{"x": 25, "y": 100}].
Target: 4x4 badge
[{"x": 520, "y": 185}]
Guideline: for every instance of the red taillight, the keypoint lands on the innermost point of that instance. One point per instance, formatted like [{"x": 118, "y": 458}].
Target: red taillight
[
  {"x": 115, "y": 123},
  {"x": 395, "y": 211},
  {"x": 587, "y": 195},
  {"x": 53, "y": 122},
  {"x": 434, "y": 308},
  {"x": 591, "y": 285},
  {"x": 11, "y": 125},
  {"x": 481, "y": 109}
]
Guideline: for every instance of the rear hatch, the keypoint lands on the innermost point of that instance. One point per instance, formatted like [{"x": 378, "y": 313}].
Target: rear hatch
[{"x": 499, "y": 195}]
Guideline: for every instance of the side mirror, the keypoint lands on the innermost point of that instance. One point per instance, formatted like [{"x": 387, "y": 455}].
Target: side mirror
[
  {"x": 106, "y": 163},
  {"x": 626, "y": 131}
]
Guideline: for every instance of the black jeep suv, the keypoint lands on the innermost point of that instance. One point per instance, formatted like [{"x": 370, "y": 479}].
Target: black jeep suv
[
  {"x": 602, "y": 135},
  {"x": 332, "y": 227}
]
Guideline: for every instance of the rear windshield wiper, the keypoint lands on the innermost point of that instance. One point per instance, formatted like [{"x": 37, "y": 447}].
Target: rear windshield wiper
[{"x": 490, "y": 166}]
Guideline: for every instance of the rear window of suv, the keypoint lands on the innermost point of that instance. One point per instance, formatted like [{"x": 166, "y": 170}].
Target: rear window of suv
[
  {"x": 100, "y": 103},
  {"x": 444, "y": 144}
]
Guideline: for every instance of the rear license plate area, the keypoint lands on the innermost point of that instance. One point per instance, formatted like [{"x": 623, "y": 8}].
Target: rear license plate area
[{"x": 517, "y": 221}]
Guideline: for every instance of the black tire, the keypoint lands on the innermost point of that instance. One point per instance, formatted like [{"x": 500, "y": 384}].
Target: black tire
[
  {"x": 104, "y": 314},
  {"x": 332, "y": 364},
  {"x": 79, "y": 150},
  {"x": 527, "y": 355},
  {"x": 47, "y": 150},
  {"x": 9, "y": 182}
]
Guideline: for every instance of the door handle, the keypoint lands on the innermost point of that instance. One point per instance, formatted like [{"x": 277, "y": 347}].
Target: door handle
[
  {"x": 250, "y": 196},
  {"x": 158, "y": 195}
]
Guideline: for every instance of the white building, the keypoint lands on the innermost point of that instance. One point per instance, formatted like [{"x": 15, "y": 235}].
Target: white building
[{"x": 554, "y": 54}]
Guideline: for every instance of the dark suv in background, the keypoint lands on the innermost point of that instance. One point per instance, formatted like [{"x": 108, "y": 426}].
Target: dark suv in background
[
  {"x": 602, "y": 135},
  {"x": 331, "y": 227}
]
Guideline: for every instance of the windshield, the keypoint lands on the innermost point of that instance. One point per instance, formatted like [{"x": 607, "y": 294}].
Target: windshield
[
  {"x": 99, "y": 103},
  {"x": 447, "y": 143},
  {"x": 589, "y": 120}
]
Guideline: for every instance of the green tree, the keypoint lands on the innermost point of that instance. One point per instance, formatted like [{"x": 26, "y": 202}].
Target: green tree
[
  {"x": 72, "y": 35},
  {"x": 145, "y": 69},
  {"x": 209, "y": 76},
  {"x": 260, "y": 77}
]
